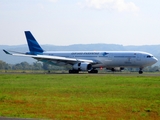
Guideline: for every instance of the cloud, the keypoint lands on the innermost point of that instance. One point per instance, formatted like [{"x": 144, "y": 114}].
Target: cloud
[{"x": 117, "y": 5}]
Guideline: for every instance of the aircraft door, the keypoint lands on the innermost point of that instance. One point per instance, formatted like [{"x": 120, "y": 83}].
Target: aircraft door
[
  {"x": 108, "y": 59},
  {"x": 138, "y": 57}
]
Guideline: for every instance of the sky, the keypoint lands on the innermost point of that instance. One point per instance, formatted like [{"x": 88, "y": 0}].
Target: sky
[{"x": 67, "y": 22}]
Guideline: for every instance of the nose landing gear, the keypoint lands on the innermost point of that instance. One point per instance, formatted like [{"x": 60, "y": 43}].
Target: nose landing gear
[{"x": 140, "y": 71}]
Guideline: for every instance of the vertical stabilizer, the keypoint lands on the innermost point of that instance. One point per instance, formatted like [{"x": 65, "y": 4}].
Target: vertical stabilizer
[{"x": 33, "y": 45}]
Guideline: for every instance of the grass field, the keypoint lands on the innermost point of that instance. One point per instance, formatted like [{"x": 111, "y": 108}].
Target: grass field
[{"x": 82, "y": 96}]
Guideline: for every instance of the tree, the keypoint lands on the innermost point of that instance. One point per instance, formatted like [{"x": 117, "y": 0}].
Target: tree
[
  {"x": 4, "y": 66},
  {"x": 26, "y": 66},
  {"x": 37, "y": 66},
  {"x": 46, "y": 66}
]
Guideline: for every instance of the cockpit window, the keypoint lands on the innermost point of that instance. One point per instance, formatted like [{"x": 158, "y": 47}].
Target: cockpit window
[{"x": 149, "y": 56}]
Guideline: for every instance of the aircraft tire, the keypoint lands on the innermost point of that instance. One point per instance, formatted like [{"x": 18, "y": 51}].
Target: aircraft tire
[
  {"x": 93, "y": 71},
  {"x": 73, "y": 71},
  {"x": 140, "y": 72}
]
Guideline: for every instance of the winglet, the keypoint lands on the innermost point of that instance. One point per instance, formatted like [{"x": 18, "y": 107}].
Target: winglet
[
  {"x": 7, "y": 52},
  {"x": 33, "y": 45}
]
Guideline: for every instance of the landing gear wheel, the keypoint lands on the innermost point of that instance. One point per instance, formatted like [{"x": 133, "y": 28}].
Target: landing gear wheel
[
  {"x": 73, "y": 71},
  {"x": 140, "y": 72},
  {"x": 93, "y": 71}
]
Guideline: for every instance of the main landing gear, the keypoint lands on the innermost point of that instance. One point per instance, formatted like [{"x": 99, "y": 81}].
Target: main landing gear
[
  {"x": 77, "y": 71},
  {"x": 140, "y": 71},
  {"x": 93, "y": 71},
  {"x": 73, "y": 71}
]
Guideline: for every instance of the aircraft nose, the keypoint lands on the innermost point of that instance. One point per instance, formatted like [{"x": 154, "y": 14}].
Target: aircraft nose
[{"x": 155, "y": 59}]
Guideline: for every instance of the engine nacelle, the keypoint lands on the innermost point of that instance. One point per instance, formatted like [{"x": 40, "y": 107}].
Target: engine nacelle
[{"x": 82, "y": 66}]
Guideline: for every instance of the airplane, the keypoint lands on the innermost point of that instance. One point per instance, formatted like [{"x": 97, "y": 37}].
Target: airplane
[{"x": 87, "y": 60}]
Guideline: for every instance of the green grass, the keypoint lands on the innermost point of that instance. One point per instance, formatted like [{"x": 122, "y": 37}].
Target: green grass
[{"x": 83, "y": 96}]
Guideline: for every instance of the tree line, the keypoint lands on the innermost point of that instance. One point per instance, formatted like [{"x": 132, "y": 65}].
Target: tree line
[
  {"x": 27, "y": 66},
  {"x": 46, "y": 66}
]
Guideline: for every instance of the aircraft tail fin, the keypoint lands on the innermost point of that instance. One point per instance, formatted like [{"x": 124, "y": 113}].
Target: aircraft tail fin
[{"x": 33, "y": 45}]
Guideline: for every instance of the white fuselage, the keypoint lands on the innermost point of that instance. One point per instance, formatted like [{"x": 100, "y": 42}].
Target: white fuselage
[{"x": 109, "y": 59}]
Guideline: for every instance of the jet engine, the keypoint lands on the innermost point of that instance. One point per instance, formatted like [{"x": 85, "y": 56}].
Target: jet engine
[{"x": 82, "y": 66}]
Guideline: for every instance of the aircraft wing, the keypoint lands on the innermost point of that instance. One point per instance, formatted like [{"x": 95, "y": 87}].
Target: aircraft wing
[{"x": 52, "y": 58}]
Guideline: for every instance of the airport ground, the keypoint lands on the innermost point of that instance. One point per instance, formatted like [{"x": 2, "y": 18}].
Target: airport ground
[{"x": 113, "y": 96}]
